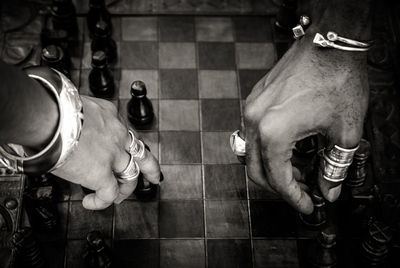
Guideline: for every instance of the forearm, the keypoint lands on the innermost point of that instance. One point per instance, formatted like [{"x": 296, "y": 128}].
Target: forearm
[
  {"x": 348, "y": 18},
  {"x": 28, "y": 112}
]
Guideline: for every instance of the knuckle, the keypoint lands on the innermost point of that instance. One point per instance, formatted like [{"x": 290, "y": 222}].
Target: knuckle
[{"x": 251, "y": 113}]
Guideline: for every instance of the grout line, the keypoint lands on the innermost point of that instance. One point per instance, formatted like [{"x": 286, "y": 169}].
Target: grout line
[{"x": 242, "y": 124}]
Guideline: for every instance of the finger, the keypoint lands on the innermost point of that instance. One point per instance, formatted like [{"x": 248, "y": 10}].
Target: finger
[
  {"x": 125, "y": 190},
  {"x": 150, "y": 167},
  {"x": 279, "y": 130},
  {"x": 103, "y": 197},
  {"x": 345, "y": 137}
]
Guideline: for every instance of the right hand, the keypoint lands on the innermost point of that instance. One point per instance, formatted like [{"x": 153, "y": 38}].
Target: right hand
[
  {"x": 102, "y": 149},
  {"x": 309, "y": 91}
]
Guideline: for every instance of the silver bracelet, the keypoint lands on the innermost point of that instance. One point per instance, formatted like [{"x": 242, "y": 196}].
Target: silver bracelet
[{"x": 68, "y": 131}]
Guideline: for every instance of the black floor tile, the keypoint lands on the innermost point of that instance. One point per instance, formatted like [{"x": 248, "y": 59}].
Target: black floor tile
[
  {"x": 182, "y": 254},
  {"x": 272, "y": 219},
  {"x": 248, "y": 79},
  {"x": 54, "y": 253},
  {"x": 180, "y": 147},
  {"x": 82, "y": 221},
  {"x": 229, "y": 253},
  {"x": 179, "y": 84},
  {"x": 216, "y": 56},
  {"x": 227, "y": 218},
  {"x": 252, "y": 29},
  {"x": 275, "y": 253},
  {"x": 139, "y": 55},
  {"x": 225, "y": 182},
  {"x": 142, "y": 253},
  {"x": 220, "y": 114},
  {"x": 176, "y": 29},
  {"x": 135, "y": 219},
  {"x": 181, "y": 219}
]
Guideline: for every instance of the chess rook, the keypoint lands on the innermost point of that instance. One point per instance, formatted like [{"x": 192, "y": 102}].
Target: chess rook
[
  {"x": 54, "y": 57},
  {"x": 374, "y": 248},
  {"x": 140, "y": 109},
  {"x": 97, "y": 12},
  {"x": 357, "y": 170},
  {"x": 101, "y": 80},
  {"x": 63, "y": 16},
  {"x": 103, "y": 41}
]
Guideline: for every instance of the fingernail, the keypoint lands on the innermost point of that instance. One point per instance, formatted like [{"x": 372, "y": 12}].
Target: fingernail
[{"x": 334, "y": 193}]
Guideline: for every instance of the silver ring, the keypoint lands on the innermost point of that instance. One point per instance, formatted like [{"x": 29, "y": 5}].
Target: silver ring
[
  {"x": 238, "y": 145},
  {"x": 130, "y": 173},
  {"x": 136, "y": 148},
  {"x": 335, "y": 163},
  {"x": 332, "y": 36},
  {"x": 320, "y": 41}
]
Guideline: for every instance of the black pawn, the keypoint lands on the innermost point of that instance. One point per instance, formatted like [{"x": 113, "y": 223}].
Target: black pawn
[
  {"x": 140, "y": 109},
  {"x": 54, "y": 57},
  {"x": 40, "y": 204},
  {"x": 63, "y": 16},
  {"x": 318, "y": 217},
  {"x": 28, "y": 252},
  {"x": 97, "y": 254},
  {"x": 97, "y": 12},
  {"x": 374, "y": 248},
  {"x": 101, "y": 80},
  {"x": 357, "y": 170},
  {"x": 322, "y": 252},
  {"x": 103, "y": 41},
  {"x": 286, "y": 18}
]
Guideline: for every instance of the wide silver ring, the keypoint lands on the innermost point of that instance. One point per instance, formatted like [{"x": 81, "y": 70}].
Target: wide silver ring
[
  {"x": 238, "y": 145},
  {"x": 335, "y": 163},
  {"x": 136, "y": 148}
]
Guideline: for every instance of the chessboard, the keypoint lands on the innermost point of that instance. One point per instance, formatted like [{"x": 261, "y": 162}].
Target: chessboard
[{"x": 206, "y": 213}]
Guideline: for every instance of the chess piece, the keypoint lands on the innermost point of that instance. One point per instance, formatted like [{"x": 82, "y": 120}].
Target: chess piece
[
  {"x": 322, "y": 252},
  {"x": 97, "y": 254},
  {"x": 63, "y": 16},
  {"x": 286, "y": 18},
  {"x": 307, "y": 147},
  {"x": 357, "y": 170},
  {"x": 374, "y": 248},
  {"x": 101, "y": 80},
  {"x": 140, "y": 109},
  {"x": 54, "y": 57},
  {"x": 28, "y": 253},
  {"x": 318, "y": 217},
  {"x": 144, "y": 189},
  {"x": 39, "y": 200},
  {"x": 97, "y": 12},
  {"x": 103, "y": 41}
]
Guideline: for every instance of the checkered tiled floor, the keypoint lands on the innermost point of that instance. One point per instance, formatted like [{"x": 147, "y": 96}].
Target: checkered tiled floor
[{"x": 206, "y": 214}]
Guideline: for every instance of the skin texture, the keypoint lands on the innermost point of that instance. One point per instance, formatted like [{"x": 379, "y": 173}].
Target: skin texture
[
  {"x": 29, "y": 117},
  {"x": 310, "y": 91}
]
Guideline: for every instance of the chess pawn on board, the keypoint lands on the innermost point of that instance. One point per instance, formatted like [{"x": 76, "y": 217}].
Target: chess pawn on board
[
  {"x": 97, "y": 12},
  {"x": 63, "y": 16},
  {"x": 318, "y": 217},
  {"x": 54, "y": 57},
  {"x": 103, "y": 41},
  {"x": 374, "y": 248},
  {"x": 140, "y": 109},
  {"x": 97, "y": 254},
  {"x": 322, "y": 253},
  {"x": 101, "y": 80},
  {"x": 358, "y": 170},
  {"x": 28, "y": 252}
]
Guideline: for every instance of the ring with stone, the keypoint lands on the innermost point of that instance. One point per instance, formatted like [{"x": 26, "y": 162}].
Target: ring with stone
[
  {"x": 335, "y": 163},
  {"x": 238, "y": 144}
]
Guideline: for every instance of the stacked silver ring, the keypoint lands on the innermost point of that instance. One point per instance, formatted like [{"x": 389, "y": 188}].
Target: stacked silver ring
[
  {"x": 136, "y": 151},
  {"x": 335, "y": 163}
]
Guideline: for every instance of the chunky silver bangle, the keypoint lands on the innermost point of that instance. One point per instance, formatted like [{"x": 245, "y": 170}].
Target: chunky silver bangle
[{"x": 68, "y": 130}]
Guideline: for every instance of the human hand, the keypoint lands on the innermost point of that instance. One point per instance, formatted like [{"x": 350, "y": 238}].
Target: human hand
[
  {"x": 102, "y": 149},
  {"x": 309, "y": 91}
]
